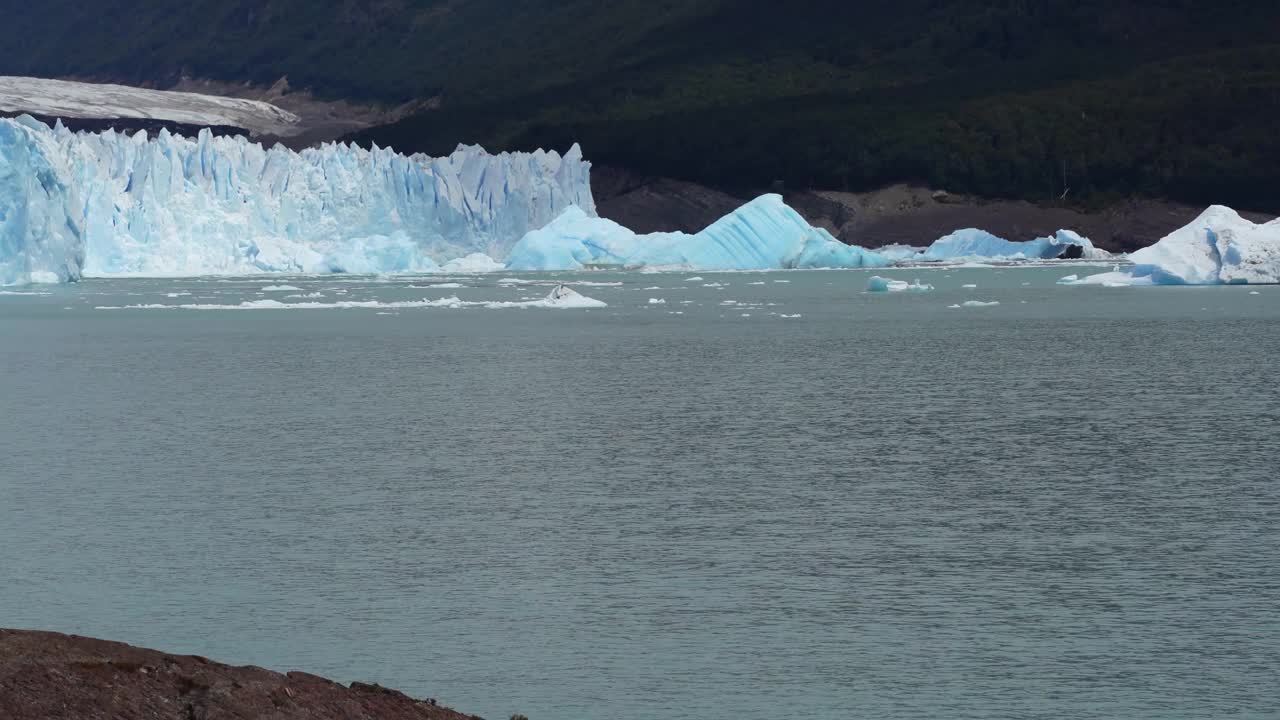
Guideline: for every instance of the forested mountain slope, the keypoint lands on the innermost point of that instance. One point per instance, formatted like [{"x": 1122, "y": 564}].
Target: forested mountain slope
[{"x": 1076, "y": 101}]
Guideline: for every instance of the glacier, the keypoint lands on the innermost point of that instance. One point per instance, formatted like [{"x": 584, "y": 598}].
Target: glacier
[
  {"x": 74, "y": 99},
  {"x": 763, "y": 234},
  {"x": 974, "y": 243},
  {"x": 98, "y": 204},
  {"x": 1217, "y": 248}
]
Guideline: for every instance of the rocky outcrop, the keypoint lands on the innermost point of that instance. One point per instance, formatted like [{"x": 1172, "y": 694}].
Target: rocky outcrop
[{"x": 50, "y": 676}]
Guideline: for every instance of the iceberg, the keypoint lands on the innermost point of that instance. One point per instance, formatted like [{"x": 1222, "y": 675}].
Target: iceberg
[
  {"x": 974, "y": 243},
  {"x": 103, "y": 204},
  {"x": 1217, "y": 248},
  {"x": 764, "y": 234}
]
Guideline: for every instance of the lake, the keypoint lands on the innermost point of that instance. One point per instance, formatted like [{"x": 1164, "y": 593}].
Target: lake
[{"x": 769, "y": 494}]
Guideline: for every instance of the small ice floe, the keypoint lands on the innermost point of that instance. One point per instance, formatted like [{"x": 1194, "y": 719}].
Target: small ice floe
[
  {"x": 281, "y": 288},
  {"x": 1068, "y": 279},
  {"x": 563, "y": 296},
  {"x": 975, "y": 304},
  {"x": 560, "y": 297},
  {"x": 969, "y": 287},
  {"x": 695, "y": 278},
  {"x": 657, "y": 301},
  {"x": 879, "y": 284}
]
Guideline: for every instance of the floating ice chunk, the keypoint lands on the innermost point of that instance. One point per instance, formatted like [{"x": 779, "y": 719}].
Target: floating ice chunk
[
  {"x": 445, "y": 286},
  {"x": 974, "y": 243},
  {"x": 281, "y": 288},
  {"x": 695, "y": 278},
  {"x": 1069, "y": 279},
  {"x": 761, "y": 235},
  {"x": 879, "y": 284},
  {"x": 657, "y": 301},
  {"x": 1217, "y": 247},
  {"x": 975, "y": 304},
  {"x": 1114, "y": 279},
  {"x": 563, "y": 296},
  {"x": 969, "y": 287}
]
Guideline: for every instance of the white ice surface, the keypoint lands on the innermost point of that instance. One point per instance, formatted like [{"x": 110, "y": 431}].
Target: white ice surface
[{"x": 71, "y": 99}]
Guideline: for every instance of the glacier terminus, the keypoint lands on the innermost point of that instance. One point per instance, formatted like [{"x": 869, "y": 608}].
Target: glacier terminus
[
  {"x": 85, "y": 204},
  {"x": 76, "y": 205}
]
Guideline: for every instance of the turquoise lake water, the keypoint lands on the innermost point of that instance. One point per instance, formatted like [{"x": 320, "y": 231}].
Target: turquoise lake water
[{"x": 790, "y": 497}]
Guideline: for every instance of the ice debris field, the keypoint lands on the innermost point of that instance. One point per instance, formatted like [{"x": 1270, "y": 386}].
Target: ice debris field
[{"x": 76, "y": 205}]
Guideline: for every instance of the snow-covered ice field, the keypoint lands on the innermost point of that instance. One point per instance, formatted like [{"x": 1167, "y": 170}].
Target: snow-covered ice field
[{"x": 67, "y": 98}]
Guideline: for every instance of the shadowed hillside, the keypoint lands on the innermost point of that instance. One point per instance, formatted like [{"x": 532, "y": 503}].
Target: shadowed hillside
[{"x": 1075, "y": 102}]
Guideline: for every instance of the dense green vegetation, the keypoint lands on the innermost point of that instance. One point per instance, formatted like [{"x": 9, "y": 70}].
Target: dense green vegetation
[{"x": 1053, "y": 100}]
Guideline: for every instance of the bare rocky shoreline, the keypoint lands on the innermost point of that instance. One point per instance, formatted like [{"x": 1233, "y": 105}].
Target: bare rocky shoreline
[{"x": 51, "y": 676}]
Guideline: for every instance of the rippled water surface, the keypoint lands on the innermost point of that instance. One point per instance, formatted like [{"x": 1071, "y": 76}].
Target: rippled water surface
[{"x": 1062, "y": 506}]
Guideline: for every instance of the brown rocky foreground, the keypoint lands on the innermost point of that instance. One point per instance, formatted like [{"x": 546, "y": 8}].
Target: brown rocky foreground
[{"x": 50, "y": 676}]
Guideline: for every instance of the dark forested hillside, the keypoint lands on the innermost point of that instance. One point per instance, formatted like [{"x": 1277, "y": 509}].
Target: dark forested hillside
[{"x": 1076, "y": 101}]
